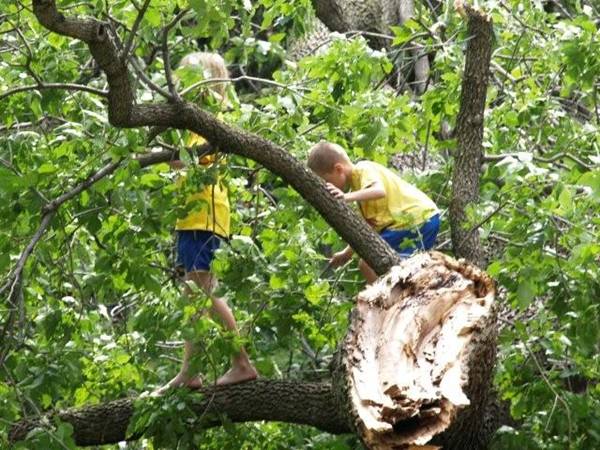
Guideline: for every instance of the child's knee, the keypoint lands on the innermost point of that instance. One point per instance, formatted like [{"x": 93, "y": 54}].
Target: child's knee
[
  {"x": 204, "y": 280},
  {"x": 368, "y": 273},
  {"x": 362, "y": 265}
]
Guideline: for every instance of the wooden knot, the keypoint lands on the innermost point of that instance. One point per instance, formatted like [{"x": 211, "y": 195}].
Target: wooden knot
[{"x": 101, "y": 32}]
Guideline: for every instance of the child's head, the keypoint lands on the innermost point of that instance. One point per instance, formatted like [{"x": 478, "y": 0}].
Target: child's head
[
  {"x": 330, "y": 162},
  {"x": 212, "y": 65}
]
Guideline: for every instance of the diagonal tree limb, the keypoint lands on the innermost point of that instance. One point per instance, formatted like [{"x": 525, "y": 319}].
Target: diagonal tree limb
[{"x": 123, "y": 112}]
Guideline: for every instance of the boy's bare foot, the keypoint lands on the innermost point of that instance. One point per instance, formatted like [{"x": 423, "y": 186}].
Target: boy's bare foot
[
  {"x": 194, "y": 383},
  {"x": 179, "y": 381},
  {"x": 238, "y": 374}
]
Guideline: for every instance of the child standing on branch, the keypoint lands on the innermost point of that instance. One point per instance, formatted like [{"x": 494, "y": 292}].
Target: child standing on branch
[
  {"x": 404, "y": 216},
  {"x": 200, "y": 233}
]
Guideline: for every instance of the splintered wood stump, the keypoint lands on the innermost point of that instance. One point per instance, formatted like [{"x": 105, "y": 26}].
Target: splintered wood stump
[{"x": 414, "y": 350}]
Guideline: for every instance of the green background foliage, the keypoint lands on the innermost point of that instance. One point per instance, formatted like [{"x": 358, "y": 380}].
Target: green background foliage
[{"x": 103, "y": 317}]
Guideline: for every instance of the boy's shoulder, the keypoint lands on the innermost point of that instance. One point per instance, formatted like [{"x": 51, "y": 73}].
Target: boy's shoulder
[
  {"x": 365, "y": 164},
  {"x": 372, "y": 167}
]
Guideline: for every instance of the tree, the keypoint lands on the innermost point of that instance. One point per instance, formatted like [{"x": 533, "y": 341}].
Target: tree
[{"x": 331, "y": 105}]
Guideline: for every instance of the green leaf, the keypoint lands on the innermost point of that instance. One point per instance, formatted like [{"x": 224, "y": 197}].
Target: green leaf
[
  {"x": 316, "y": 292},
  {"x": 153, "y": 16},
  {"x": 47, "y": 168},
  {"x": 591, "y": 179},
  {"x": 276, "y": 282},
  {"x": 525, "y": 293}
]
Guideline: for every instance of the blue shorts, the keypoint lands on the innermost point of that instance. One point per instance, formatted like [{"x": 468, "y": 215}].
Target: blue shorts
[
  {"x": 196, "y": 249},
  {"x": 406, "y": 242}
]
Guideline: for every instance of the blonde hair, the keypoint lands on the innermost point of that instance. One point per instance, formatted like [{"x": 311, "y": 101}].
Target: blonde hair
[
  {"x": 324, "y": 155},
  {"x": 213, "y": 63}
]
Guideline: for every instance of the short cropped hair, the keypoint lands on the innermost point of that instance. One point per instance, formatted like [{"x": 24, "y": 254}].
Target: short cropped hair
[
  {"x": 324, "y": 155},
  {"x": 213, "y": 63}
]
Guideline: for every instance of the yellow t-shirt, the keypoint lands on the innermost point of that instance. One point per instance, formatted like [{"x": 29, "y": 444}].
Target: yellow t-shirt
[
  {"x": 404, "y": 206},
  {"x": 213, "y": 214}
]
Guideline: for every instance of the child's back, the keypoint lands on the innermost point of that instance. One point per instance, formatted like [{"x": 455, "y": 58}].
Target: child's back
[
  {"x": 404, "y": 205},
  {"x": 405, "y": 217}
]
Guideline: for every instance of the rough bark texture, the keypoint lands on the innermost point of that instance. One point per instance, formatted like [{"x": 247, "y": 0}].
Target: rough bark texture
[
  {"x": 342, "y": 16},
  {"x": 418, "y": 357},
  {"x": 376, "y": 16},
  {"x": 397, "y": 12},
  {"x": 122, "y": 112},
  {"x": 469, "y": 135},
  {"x": 287, "y": 401}
]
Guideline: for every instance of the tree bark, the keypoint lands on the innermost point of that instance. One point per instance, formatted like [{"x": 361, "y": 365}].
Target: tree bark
[
  {"x": 469, "y": 135},
  {"x": 397, "y": 12},
  {"x": 286, "y": 401},
  {"x": 378, "y": 16}
]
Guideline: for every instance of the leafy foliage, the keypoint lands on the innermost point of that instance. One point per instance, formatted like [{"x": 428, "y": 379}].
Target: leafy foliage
[{"x": 102, "y": 316}]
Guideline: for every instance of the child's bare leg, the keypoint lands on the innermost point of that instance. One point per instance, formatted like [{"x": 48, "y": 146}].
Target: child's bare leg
[
  {"x": 242, "y": 369},
  {"x": 367, "y": 272},
  {"x": 183, "y": 377}
]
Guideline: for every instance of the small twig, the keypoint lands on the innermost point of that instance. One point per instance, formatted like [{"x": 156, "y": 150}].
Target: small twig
[
  {"x": 45, "y": 123},
  {"x": 563, "y": 10},
  {"x": 166, "y": 56},
  {"x": 294, "y": 89},
  {"x": 554, "y": 391},
  {"x": 505, "y": 74},
  {"x": 66, "y": 86},
  {"x": 353, "y": 33},
  {"x": 523, "y": 24},
  {"x": 595, "y": 97},
  {"x": 493, "y": 158},
  {"x": 240, "y": 78},
  {"x": 482, "y": 222},
  {"x": 147, "y": 81},
  {"x": 35, "y": 76},
  {"x": 129, "y": 43},
  {"x": 424, "y": 159}
]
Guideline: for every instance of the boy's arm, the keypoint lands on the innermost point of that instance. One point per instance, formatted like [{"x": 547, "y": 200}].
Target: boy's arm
[
  {"x": 373, "y": 192},
  {"x": 341, "y": 258},
  {"x": 176, "y": 164},
  {"x": 197, "y": 150}
]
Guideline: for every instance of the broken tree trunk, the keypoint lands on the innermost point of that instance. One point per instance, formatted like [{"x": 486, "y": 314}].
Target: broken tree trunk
[
  {"x": 411, "y": 365},
  {"x": 414, "y": 368}
]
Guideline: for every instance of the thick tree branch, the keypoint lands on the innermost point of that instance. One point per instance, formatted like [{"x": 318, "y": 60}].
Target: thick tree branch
[
  {"x": 285, "y": 401},
  {"x": 469, "y": 132},
  {"x": 122, "y": 112}
]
